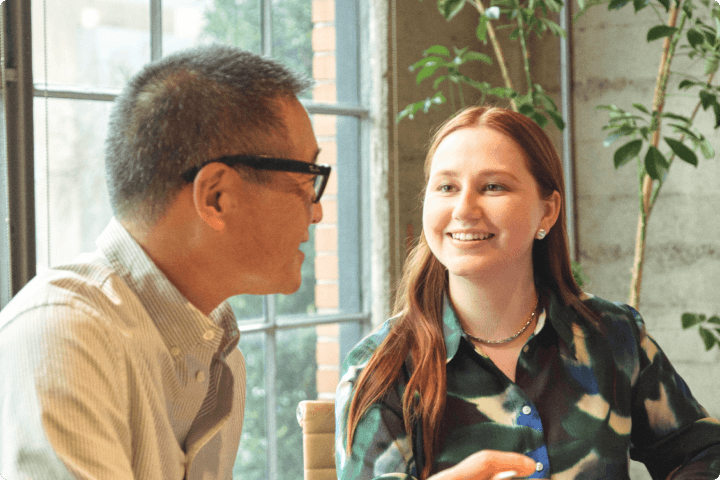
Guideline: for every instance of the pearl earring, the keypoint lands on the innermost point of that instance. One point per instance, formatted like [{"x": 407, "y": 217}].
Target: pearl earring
[{"x": 541, "y": 234}]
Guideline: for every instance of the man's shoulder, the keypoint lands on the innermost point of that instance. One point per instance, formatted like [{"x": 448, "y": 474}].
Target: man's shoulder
[{"x": 88, "y": 285}]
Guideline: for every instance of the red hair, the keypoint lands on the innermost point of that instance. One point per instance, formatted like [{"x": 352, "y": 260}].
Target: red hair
[{"x": 418, "y": 331}]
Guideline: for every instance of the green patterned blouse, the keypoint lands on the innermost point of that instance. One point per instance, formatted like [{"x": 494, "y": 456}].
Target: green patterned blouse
[{"x": 584, "y": 401}]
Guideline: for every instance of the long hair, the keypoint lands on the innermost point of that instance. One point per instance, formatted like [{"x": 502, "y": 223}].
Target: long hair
[{"x": 418, "y": 329}]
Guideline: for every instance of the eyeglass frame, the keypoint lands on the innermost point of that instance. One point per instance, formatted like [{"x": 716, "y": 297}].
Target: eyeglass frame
[{"x": 260, "y": 162}]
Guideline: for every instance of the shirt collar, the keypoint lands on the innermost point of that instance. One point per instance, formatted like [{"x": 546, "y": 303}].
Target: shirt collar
[
  {"x": 179, "y": 322},
  {"x": 559, "y": 316}
]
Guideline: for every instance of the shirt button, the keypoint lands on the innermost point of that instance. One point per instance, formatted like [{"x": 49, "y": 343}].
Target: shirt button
[
  {"x": 526, "y": 348},
  {"x": 527, "y": 410},
  {"x": 200, "y": 376},
  {"x": 539, "y": 466},
  {"x": 209, "y": 335},
  {"x": 175, "y": 351}
]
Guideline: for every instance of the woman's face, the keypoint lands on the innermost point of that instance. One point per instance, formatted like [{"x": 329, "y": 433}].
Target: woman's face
[{"x": 482, "y": 206}]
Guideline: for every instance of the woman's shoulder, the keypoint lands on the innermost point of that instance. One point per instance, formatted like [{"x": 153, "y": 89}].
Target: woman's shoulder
[
  {"x": 609, "y": 311},
  {"x": 361, "y": 353}
]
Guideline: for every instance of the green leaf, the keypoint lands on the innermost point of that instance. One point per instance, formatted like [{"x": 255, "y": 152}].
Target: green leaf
[
  {"x": 714, "y": 319},
  {"x": 655, "y": 164},
  {"x": 617, "y": 4},
  {"x": 427, "y": 71},
  {"x": 711, "y": 64},
  {"x": 682, "y": 151},
  {"x": 706, "y": 149},
  {"x": 623, "y": 131},
  {"x": 502, "y": 92},
  {"x": 424, "y": 61},
  {"x": 666, "y": 4},
  {"x": 660, "y": 31},
  {"x": 526, "y": 109},
  {"x": 716, "y": 111},
  {"x": 708, "y": 338},
  {"x": 481, "y": 32},
  {"x": 641, "y": 108},
  {"x": 438, "y": 81},
  {"x": 515, "y": 34},
  {"x": 437, "y": 50},
  {"x": 689, "y": 320},
  {"x": 557, "y": 119},
  {"x": 640, "y": 4},
  {"x": 677, "y": 117},
  {"x": 539, "y": 118},
  {"x": 706, "y": 99},
  {"x": 450, "y": 8},
  {"x": 695, "y": 38},
  {"x": 686, "y": 84},
  {"x": 685, "y": 130},
  {"x": 481, "y": 57},
  {"x": 627, "y": 152}
]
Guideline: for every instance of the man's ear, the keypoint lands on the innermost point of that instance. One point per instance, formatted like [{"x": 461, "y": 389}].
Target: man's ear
[{"x": 210, "y": 190}]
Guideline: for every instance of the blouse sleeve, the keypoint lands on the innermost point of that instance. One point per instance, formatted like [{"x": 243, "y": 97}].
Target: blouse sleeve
[
  {"x": 672, "y": 434},
  {"x": 380, "y": 449}
]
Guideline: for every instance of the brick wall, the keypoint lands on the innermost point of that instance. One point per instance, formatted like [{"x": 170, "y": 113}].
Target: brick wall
[{"x": 326, "y": 233}]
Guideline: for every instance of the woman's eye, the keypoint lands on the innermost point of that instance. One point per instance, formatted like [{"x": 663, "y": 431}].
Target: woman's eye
[
  {"x": 445, "y": 188},
  {"x": 494, "y": 187}
]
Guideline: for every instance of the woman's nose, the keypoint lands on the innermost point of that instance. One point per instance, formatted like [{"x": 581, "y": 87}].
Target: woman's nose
[{"x": 467, "y": 206}]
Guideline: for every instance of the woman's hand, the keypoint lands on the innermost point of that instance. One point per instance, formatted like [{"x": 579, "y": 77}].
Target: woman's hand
[{"x": 489, "y": 465}]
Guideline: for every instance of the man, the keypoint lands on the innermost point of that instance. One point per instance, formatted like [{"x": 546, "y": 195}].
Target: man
[{"x": 123, "y": 365}]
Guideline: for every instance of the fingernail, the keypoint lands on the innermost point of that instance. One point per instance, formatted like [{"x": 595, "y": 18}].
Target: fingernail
[{"x": 508, "y": 474}]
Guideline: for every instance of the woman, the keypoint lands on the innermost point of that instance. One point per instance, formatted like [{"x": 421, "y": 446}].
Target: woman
[{"x": 494, "y": 348}]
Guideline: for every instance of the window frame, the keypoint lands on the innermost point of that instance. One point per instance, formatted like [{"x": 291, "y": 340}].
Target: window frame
[{"x": 17, "y": 182}]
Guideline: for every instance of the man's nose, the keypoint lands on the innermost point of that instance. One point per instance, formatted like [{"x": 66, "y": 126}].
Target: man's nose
[{"x": 317, "y": 212}]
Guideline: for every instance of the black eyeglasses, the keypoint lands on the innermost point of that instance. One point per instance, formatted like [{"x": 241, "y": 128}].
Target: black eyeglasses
[{"x": 321, "y": 172}]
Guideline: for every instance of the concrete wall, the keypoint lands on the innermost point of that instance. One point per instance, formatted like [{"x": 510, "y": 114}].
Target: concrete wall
[
  {"x": 682, "y": 272},
  {"x": 613, "y": 63}
]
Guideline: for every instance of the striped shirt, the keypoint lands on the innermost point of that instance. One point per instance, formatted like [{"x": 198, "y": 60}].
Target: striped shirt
[
  {"x": 584, "y": 401},
  {"x": 108, "y": 372}
]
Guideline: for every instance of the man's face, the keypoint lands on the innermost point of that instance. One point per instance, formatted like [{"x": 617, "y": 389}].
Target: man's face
[{"x": 275, "y": 217}]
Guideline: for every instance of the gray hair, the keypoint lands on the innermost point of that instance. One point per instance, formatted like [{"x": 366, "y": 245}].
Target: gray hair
[{"x": 178, "y": 111}]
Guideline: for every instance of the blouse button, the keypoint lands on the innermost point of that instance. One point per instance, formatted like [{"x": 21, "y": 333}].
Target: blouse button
[
  {"x": 527, "y": 410},
  {"x": 539, "y": 466},
  {"x": 175, "y": 351},
  {"x": 200, "y": 376},
  {"x": 526, "y": 348},
  {"x": 209, "y": 335}
]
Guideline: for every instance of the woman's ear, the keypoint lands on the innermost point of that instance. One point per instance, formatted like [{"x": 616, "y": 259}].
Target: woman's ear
[
  {"x": 552, "y": 210},
  {"x": 209, "y": 191}
]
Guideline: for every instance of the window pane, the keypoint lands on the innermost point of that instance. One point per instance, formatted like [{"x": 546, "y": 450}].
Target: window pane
[
  {"x": 296, "y": 380},
  {"x": 90, "y": 42},
  {"x": 251, "y": 463},
  {"x": 292, "y": 31},
  {"x": 193, "y": 22},
  {"x": 72, "y": 204}
]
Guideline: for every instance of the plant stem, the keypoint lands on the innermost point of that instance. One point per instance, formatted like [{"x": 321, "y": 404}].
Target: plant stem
[
  {"x": 646, "y": 189},
  {"x": 526, "y": 57},
  {"x": 656, "y": 190},
  {"x": 498, "y": 53}
]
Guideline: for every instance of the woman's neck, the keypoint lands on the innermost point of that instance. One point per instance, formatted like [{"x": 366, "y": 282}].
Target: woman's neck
[{"x": 494, "y": 308}]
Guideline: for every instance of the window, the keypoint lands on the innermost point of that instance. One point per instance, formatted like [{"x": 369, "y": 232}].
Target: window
[{"x": 83, "y": 51}]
